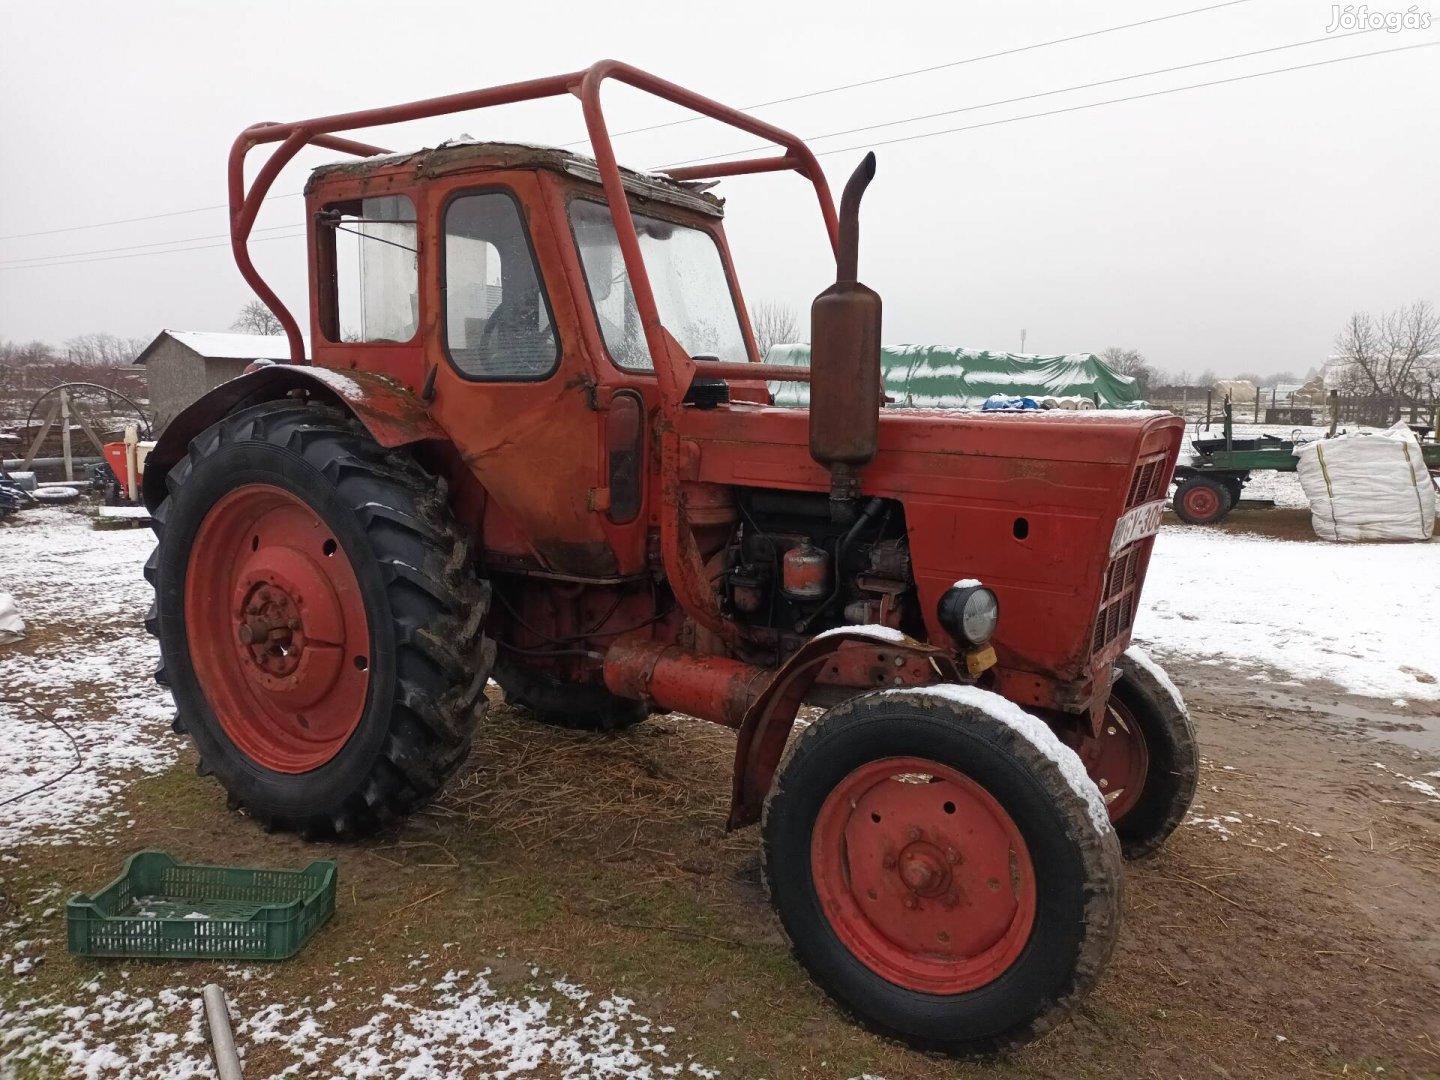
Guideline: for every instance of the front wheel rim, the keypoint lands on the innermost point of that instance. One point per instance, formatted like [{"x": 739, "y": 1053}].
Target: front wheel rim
[
  {"x": 1117, "y": 759},
  {"x": 276, "y": 628},
  {"x": 923, "y": 875}
]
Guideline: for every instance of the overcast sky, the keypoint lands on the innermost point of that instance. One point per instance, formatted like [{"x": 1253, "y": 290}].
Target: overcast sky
[{"x": 1231, "y": 227}]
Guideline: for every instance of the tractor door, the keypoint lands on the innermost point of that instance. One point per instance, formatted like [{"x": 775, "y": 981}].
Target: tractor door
[{"x": 514, "y": 387}]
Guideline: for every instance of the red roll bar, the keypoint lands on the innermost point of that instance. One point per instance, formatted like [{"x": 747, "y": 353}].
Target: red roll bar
[{"x": 673, "y": 367}]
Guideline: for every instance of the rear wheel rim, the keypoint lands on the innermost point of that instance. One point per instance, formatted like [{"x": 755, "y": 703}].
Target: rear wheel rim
[
  {"x": 1202, "y": 501},
  {"x": 1117, "y": 759},
  {"x": 276, "y": 628},
  {"x": 923, "y": 875}
]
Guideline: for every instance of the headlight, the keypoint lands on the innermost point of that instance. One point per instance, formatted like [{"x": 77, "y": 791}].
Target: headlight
[{"x": 969, "y": 611}]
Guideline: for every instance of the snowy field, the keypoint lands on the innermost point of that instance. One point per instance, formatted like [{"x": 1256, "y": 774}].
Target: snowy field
[
  {"x": 87, "y": 664},
  {"x": 456, "y": 1026},
  {"x": 1363, "y": 616}
]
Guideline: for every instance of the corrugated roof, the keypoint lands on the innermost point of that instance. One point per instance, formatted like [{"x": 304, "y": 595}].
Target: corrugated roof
[{"x": 225, "y": 346}]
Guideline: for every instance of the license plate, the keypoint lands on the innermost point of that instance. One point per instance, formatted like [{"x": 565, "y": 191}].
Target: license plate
[{"x": 1136, "y": 524}]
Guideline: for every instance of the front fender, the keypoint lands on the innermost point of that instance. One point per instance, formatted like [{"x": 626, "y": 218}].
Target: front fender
[
  {"x": 390, "y": 413},
  {"x": 760, "y": 742}
]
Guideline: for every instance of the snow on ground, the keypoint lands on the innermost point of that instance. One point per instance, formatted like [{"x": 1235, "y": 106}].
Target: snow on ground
[
  {"x": 460, "y": 1025},
  {"x": 87, "y": 663},
  {"x": 1363, "y": 616}
]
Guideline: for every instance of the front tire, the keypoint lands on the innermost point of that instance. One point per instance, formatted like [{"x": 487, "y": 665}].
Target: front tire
[
  {"x": 943, "y": 868},
  {"x": 319, "y": 618}
]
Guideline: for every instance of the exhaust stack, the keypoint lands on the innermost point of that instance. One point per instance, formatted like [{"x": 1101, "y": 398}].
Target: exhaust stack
[{"x": 845, "y": 387}]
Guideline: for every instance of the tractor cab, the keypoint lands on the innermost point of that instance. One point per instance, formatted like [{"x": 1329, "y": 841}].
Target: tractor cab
[{"x": 490, "y": 278}]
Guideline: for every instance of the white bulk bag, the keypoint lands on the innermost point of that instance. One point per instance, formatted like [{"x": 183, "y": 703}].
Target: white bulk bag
[
  {"x": 1368, "y": 487},
  {"x": 12, "y": 627}
]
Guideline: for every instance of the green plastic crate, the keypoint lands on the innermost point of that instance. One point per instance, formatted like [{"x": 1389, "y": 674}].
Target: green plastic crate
[{"x": 160, "y": 908}]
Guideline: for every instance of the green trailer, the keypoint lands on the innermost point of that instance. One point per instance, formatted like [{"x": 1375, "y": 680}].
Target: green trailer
[{"x": 1209, "y": 486}]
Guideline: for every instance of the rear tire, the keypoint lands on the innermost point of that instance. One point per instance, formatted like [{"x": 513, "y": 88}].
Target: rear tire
[
  {"x": 1002, "y": 904},
  {"x": 1201, "y": 500},
  {"x": 385, "y": 580},
  {"x": 553, "y": 701}
]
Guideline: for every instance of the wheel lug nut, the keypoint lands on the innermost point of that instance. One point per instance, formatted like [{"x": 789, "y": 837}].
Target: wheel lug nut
[
  {"x": 952, "y": 855},
  {"x": 912, "y": 902},
  {"x": 914, "y": 834}
]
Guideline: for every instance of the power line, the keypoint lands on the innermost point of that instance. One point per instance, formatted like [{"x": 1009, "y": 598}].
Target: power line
[
  {"x": 1030, "y": 97},
  {"x": 692, "y": 119},
  {"x": 143, "y": 254},
  {"x": 135, "y": 247},
  {"x": 40, "y": 262},
  {"x": 143, "y": 217},
  {"x": 934, "y": 67},
  {"x": 1132, "y": 97}
]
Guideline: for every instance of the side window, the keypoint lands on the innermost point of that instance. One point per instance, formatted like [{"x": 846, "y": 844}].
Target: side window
[
  {"x": 370, "y": 246},
  {"x": 497, "y": 317}
]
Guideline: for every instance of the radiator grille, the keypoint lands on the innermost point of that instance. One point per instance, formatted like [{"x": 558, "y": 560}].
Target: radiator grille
[
  {"x": 1148, "y": 482},
  {"x": 1117, "y": 600}
]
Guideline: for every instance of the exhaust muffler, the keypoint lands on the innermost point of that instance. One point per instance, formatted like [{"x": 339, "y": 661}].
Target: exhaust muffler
[{"x": 845, "y": 385}]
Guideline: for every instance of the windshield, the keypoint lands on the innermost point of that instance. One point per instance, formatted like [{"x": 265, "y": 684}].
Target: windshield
[{"x": 685, "y": 271}]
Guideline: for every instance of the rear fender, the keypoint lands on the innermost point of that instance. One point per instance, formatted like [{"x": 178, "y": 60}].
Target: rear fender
[
  {"x": 390, "y": 413},
  {"x": 766, "y": 726}
]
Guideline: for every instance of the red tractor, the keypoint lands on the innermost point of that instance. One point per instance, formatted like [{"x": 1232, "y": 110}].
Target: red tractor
[{"x": 534, "y": 441}]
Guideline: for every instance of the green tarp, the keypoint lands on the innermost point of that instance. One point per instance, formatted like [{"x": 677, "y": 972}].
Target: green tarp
[{"x": 944, "y": 377}]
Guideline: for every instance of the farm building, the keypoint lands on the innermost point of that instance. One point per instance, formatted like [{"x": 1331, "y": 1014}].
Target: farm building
[{"x": 181, "y": 365}]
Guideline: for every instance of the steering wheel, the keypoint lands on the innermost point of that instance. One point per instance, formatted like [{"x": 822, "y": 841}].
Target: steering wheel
[{"x": 500, "y": 318}]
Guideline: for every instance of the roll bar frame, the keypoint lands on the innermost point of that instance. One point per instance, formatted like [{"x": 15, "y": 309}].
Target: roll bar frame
[{"x": 674, "y": 368}]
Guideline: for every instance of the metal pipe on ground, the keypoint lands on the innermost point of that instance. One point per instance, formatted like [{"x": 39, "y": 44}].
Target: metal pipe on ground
[{"x": 222, "y": 1037}]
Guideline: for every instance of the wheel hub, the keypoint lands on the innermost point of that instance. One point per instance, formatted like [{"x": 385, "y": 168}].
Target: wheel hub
[
  {"x": 268, "y": 623},
  {"x": 924, "y": 869},
  {"x": 923, "y": 875}
]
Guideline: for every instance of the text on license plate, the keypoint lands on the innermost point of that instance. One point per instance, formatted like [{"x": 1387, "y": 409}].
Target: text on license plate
[{"x": 1136, "y": 524}]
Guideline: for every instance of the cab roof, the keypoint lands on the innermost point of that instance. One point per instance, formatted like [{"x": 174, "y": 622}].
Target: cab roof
[{"x": 466, "y": 155}]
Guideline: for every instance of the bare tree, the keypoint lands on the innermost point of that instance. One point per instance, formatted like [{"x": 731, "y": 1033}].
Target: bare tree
[
  {"x": 256, "y": 318},
  {"x": 1133, "y": 363},
  {"x": 103, "y": 349},
  {"x": 774, "y": 324},
  {"x": 1392, "y": 355},
  {"x": 23, "y": 353}
]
